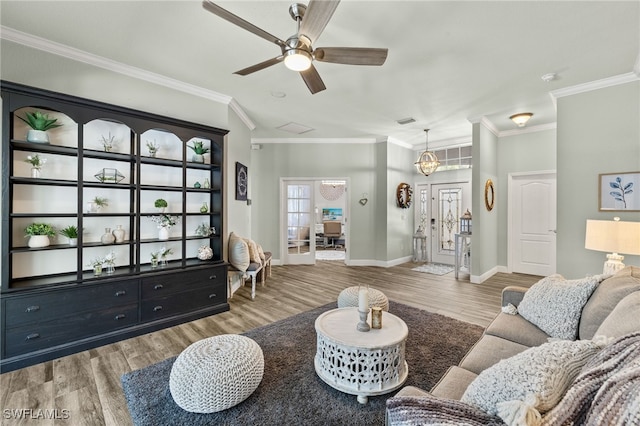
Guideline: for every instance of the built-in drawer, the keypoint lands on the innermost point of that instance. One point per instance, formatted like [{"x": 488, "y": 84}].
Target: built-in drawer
[
  {"x": 51, "y": 305},
  {"x": 179, "y": 303},
  {"x": 166, "y": 284},
  {"x": 66, "y": 329}
]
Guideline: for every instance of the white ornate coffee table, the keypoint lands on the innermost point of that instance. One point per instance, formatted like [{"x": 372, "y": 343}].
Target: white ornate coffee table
[{"x": 360, "y": 363}]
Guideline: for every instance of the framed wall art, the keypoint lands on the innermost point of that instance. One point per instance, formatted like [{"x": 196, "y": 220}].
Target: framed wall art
[
  {"x": 619, "y": 192},
  {"x": 242, "y": 181}
]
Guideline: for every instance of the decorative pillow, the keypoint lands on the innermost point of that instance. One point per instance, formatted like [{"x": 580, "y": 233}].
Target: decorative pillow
[
  {"x": 254, "y": 255},
  {"x": 554, "y": 304},
  {"x": 624, "y": 319},
  {"x": 261, "y": 253},
  {"x": 238, "y": 253},
  {"x": 431, "y": 410},
  {"x": 520, "y": 388}
]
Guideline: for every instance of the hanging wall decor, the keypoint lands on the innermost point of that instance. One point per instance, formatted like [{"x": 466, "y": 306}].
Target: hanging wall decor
[
  {"x": 403, "y": 195},
  {"x": 332, "y": 190},
  {"x": 489, "y": 195},
  {"x": 242, "y": 176}
]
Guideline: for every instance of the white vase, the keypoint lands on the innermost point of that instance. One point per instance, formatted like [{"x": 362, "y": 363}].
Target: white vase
[
  {"x": 38, "y": 136},
  {"x": 107, "y": 237},
  {"x": 92, "y": 207},
  {"x": 163, "y": 233},
  {"x": 119, "y": 234},
  {"x": 73, "y": 242},
  {"x": 35, "y": 172},
  {"x": 197, "y": 158},
  {"x": 37, "y": 241}
]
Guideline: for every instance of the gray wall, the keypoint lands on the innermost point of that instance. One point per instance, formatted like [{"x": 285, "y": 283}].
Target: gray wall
[
  {"x": 598, "y": 132},
  {"x": 524, "y": 152},
  {"x": 400, "y": 227}
]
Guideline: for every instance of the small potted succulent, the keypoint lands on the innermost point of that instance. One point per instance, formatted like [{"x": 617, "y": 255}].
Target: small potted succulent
[
  {"x": 71, "y": 232},
  {"x": 161, "y": 204},
  {"x": 198, "y": 151},
  {"x": 108, "y": 142},
  {"x": 155, "y": 256},
  {"x": 96, "y": 204},
  {"x": 39, "y": 234},
  {"x": 39, "y": 123},
  {"x": 153, "y": 148}
]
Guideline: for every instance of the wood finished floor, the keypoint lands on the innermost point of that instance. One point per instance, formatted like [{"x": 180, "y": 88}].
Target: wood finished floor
[{"x": 87, "y": 384}]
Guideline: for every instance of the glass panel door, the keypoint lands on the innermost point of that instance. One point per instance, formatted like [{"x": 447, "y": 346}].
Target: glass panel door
[{"x": 300, "y": 249}]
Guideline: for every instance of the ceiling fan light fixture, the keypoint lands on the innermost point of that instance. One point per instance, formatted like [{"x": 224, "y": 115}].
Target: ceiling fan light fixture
[
  {"x": 521, "y": 119},
  {"x": 428, "y": 161},
  {"x": 297, "y": 59}
]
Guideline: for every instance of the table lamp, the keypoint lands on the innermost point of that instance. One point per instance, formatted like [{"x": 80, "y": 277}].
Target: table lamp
[{"x": 613, "y": 236}]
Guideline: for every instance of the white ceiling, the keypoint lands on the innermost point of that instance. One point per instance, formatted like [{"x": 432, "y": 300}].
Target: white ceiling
[{"x": 448, "y": 62}]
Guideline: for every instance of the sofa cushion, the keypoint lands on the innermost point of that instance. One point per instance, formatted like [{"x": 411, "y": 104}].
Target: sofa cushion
[
  {"x": 530, "y": 383},
  {"x": 606, "y": 297},
  {"x": 431, "y": 410},
  {"x": 411, "y": 391},
  {"x": 489, "y": 350},
  {"x": 624, "y": 319},
  {"x": 238, "y": 253},
  {"x": 555, "y": 304},
  {"x": 603, "y": 391},
  {"x": 453, "y": 384},
  {"x": 516, "y": 329}
]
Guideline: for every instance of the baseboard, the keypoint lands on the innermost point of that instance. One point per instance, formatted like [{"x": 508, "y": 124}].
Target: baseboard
[{"x": 479, "y": 279}]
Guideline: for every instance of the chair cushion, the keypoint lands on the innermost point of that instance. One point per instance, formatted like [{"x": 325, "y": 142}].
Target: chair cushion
[
  {"x": 608, "y": 294},
  {"x": 554, "y": 304},
  {"x": 254, "y": 267},
  {"x": 530, "y": 383},
  {"x": 238, "y": 252}
]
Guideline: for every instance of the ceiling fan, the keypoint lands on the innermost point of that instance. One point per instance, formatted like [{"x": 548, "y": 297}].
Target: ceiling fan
[{"x": 297, "y": 51}]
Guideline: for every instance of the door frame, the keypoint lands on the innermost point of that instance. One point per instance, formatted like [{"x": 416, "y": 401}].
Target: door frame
[
  {"x": 312, "y": 234},
  {"x": 510, "y": 207}
]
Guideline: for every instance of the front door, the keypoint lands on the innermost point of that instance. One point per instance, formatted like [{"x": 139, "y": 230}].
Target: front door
[
  {"x": 532, "y": 236},
  {"x": 298, "y": 233},
  {"x": 446, "y": 209}
]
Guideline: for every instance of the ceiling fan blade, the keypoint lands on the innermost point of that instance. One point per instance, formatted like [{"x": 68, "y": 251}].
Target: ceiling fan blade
[
  {"x": 228, "y": 16},
  {"x": 312, "y": 80},
  {"x": 351, "y": 55},
  {"x": 316, "y": 17},
  {"x": 260, "y": 66}
]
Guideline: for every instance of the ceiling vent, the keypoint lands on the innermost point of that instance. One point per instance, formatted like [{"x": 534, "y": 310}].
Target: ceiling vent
[
  {"x": 296, "y": 128},
  {"x": 407, "y": 120}
]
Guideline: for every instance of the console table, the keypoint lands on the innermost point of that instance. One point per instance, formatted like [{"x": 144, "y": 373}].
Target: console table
[
  {"x": 360, "y": 363},
  {"x": 462, "y": 253}
]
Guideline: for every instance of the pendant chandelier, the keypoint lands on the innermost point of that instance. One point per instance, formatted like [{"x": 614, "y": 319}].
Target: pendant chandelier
[{"x": 428, "y": 161}]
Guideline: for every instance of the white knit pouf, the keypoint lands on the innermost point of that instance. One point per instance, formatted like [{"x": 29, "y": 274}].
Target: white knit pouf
[
  {"x": 217, "y": 373},
  {"x": 349, "y": 297}
]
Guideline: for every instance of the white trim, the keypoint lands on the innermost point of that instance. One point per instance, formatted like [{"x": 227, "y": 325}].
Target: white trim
[
  {"x": 400, "y": 143},
  {"x": 595, "y": 85},
  {"x": 486, "y": 123},
  {"x": 314, "y": 140},
  {"x": 78, "y": 55},
  {"x": 532, "y": 129},
  {"x": 479, "y": 279}
]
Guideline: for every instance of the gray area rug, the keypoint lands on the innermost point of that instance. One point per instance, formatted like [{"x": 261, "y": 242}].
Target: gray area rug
[
  {"x": 434, "y": 268},
  {"x": 290, "y": 392}
]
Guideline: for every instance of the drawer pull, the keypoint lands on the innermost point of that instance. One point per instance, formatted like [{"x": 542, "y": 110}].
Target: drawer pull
[
  {"x": 32, "y": 308},
  {"x": 158, "y": 287},
  {"x": 33, "y": 336},
  {"x": 120, "y": 293},
  {"x": 213, "y": 277},
  {"x": 212, "y": 296},
  {"x": 120, "y": 316},
  {"x": 157, "y": 308}
]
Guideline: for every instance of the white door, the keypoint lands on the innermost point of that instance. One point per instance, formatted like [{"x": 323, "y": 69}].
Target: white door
[
  {"x": 532, "y": 227},
  {"x": 299, "y": 237}
]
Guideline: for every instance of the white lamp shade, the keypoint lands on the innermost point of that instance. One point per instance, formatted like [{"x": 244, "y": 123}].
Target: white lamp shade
[{"x": 613, "y": 236}]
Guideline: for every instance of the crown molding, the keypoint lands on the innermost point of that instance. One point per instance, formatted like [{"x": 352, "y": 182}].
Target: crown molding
[
  {"x": 481, "y": 119},
  {"x": 35, "y": 42},
  {"x": 314, "y": 140},
  {"x": 595, "y": 85},
  {"x": 531, "y": 129}
]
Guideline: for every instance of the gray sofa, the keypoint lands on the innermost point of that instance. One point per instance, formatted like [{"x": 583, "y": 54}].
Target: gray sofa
[{"x": 612, "y": 310}]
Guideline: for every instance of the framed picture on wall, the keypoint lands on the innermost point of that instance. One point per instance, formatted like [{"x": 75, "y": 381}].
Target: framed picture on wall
[
  {"x": 242, "y": 182},
  {"x": 619, "y": 192}
]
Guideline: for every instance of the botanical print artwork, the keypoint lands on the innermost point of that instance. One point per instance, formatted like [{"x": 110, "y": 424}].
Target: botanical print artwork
[{"x": 618, "y": 191}]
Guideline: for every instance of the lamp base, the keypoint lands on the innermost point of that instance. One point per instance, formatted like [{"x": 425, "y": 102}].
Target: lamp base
[{"x": 613, "y": 264}]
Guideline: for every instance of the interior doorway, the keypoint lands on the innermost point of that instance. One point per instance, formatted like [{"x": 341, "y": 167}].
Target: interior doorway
[{"x": 314, "y": 220}]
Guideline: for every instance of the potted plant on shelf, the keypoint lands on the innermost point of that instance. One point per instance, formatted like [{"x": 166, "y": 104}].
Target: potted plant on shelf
[
  {"x": 36, "y": 164},
  {"x": 165, "y": 222},
  {"x": 71, "y": 232},
  {"x": 154, "y": 259},
  {"x": 39, "y": 234},
  {"x": 96, "y": 264},
  {"x": 199, "y": 151},
  {"x": 161, "y": 204},
  {"x": 153, "y": 148},
  {"x": 39, "y": 123},
  {"x": 96, "y": 204},
  {"x": 164, "y": 252},
  {"x": 108, "y": 142}
]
